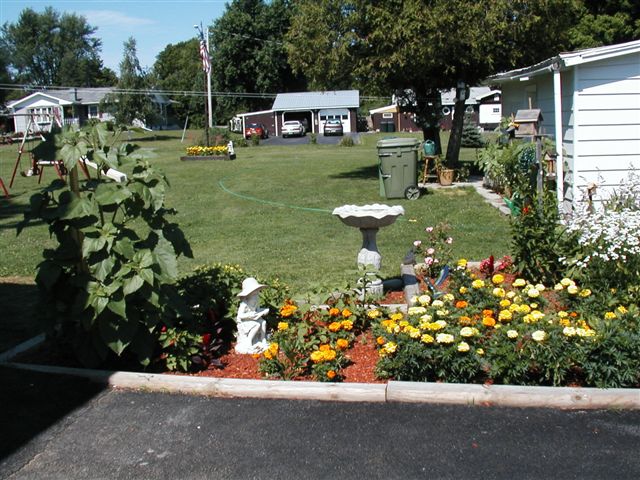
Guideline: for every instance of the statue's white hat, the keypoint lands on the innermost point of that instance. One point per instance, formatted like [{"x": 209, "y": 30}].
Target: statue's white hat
[{"x": 250, "y": 285}]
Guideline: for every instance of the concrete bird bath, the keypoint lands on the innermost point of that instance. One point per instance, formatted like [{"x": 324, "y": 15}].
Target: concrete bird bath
[{"x": 369, "y": 219}]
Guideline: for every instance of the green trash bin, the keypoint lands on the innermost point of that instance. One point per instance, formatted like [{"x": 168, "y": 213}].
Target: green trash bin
[{"x": 398, "y": 167}]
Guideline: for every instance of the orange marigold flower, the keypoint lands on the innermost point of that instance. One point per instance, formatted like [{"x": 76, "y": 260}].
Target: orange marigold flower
[
  {"x": 334, "y": 312},
  {"x": 334, "y": 326},
  {"x": 287, "y": 310},
  {"x": 324, "y": 348},
  {"x": 487, "y": 313},
  {"x": 342, "y": 343},
  {"x": 331, "y": 374},
  {"x": 346, "y": 313},
  {"x": 489, "y": 321},
  {"x": 380, "y": 341},
  {"x": 461, "y": 304},
  {"x": 464, "y": 320},
  {"x": 573, "y": 314},
  {"x": 317, "y": 356}
]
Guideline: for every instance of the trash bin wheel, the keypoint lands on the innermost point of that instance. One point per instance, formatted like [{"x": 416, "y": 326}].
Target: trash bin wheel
[{"x": 412, "y": 193}]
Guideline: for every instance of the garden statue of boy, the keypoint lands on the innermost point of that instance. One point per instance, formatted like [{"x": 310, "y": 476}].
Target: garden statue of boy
[{"x": 252, "y": 327}]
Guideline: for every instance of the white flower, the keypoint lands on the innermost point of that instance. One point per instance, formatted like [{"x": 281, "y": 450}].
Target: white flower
[
  {"x": 539, "y": 335},
  {"x": 424, "y": 300}
]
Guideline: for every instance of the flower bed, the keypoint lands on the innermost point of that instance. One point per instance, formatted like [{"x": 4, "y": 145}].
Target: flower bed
[{"x": 219, "y": 152}]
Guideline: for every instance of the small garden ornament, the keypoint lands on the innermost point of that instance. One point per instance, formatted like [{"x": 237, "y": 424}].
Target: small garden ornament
[{"x": 252, "y": 327}]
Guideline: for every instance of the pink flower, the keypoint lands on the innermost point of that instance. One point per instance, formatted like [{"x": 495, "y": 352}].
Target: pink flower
[
  {"x": 431, "y": 251},
  {"x": 449, "y": 240},
  {"x": 428, "y": 261},
  {"x": 417, "y": 243},
  {"x": 428, "y": 229}
]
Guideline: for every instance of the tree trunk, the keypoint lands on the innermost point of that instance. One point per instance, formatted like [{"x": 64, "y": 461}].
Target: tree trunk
[{"x": 453, "y": 149}]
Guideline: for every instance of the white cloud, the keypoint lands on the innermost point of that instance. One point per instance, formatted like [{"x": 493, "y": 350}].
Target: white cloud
[{"x": 109, "y": 18}]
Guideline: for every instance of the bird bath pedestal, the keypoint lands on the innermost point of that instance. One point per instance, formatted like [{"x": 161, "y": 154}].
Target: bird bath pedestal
[{"x": 369, "y": 219}]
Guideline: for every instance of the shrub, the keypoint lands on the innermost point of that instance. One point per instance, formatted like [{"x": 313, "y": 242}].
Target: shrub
[
  {"x": 346, "y": 142},
  {"x": 435, "y": 252},
  {"x": 255, "y": 139},
  {"x": 313, "y": 138},
  {"x": 471, "y": 136}
]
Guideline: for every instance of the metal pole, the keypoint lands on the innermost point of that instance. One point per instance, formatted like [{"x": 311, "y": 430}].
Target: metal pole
[{"x": 209, "y": 83}]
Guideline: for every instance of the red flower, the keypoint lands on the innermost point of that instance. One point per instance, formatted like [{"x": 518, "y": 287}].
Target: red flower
[{"x": 206, "y": 339}]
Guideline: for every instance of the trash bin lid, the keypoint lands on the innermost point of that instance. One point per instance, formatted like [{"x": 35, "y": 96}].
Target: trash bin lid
[{"x": 398, "y": 142}]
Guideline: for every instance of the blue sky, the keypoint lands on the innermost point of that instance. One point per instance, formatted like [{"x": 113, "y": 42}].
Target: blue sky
[{"x": 153, "y": 23}]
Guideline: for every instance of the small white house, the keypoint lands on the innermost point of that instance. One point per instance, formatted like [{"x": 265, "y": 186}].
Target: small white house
[{"x": 590, "y": 103}]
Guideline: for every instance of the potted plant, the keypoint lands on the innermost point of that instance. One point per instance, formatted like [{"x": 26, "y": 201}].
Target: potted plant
[{"x": 445, "y": 174}]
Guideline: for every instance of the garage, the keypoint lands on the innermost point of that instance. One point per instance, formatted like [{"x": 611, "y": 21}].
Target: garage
[{"x": 341, "y": 114}]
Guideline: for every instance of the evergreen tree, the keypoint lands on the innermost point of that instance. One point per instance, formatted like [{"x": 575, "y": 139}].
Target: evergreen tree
[{"x": 471, "y": 136}]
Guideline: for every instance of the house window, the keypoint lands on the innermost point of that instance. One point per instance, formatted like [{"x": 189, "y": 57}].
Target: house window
[
  {"x": 323, "y": 118},
  {"x": 41, "y": 114},
  {"x": 345, "y": 117},
  {"x": 92, "y": 111},
  {"x": 387, "y": 115},
  {"x": 446, "y": 111},
  {"x": 496, "y": 110}
]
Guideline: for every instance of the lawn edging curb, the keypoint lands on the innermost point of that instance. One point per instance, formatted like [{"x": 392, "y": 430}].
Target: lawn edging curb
[{"x": 569, "y": 398}]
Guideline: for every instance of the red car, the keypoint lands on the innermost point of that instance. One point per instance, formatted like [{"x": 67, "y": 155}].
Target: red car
[{"x": 256, "y": 129}]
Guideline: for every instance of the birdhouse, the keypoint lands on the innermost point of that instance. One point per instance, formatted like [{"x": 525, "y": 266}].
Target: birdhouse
[{"x": 529, "y": 122}]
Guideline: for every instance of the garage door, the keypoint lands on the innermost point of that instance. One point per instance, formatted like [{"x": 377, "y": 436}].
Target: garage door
[{"x": 341, "y": 114}]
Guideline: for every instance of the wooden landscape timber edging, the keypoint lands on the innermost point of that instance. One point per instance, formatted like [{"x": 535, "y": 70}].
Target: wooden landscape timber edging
[{"x": 570, "y": 398}]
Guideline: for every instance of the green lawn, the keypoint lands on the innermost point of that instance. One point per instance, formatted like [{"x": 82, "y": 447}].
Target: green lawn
[{"x": 269, "y": 211}]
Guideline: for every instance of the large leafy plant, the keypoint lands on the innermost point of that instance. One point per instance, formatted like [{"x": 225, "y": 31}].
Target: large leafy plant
[{"x": 108, "y": 285}]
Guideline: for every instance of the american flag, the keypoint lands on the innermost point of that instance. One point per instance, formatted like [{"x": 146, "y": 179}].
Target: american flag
[{"x": 204, "y": 55}]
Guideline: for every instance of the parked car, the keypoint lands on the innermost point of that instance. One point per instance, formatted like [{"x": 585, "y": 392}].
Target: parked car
[
  {"x": 333, "y": 127},
  {"x": 256, "y": 129},
  {"x": 292, "y": 127}
]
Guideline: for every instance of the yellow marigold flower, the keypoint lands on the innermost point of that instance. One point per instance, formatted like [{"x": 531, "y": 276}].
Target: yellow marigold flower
[
  {"x": 375, "y": 313},
  {"x": 329, "y": 355},
  {"x": 444, "y": 338},
  {"x": 463, "y": 347},
  {"x": 414, "y": 332},
  {"x": 622, "y": 309},
  {"x": 564, "y": 322},
  {"x": 565, "y": 282},
  {"x": 533, "y": 305},
  {"x": 585, "y": 332},
  {"x": 512, "y": 334},
  {"x": 478, "y": 283},
  {"x": 514, "y": 308},
  {"x": 390, "y": 347},
  {"x": 287, "y": 310},
  {"x": 505, "y": 316},
  {"x": 448, "y": 297},
  {"x": 331, "y": 374},
  {"x": 558, "y": 287},
  {"x": 342, "y": 343},
  {"x": 346, "y": 313},
  {"x": 442, "y": 313},
  {"x": 462, "y": 262},
  {"x": 380, "y": 340},
  {"x": 426, "y": 338},
  {"x": 396, "y": 316},
  {"x": 404, "y": 323},
  {"x": 334, "y": 312},
  {"x": 437, "y": 304},
  {"x": 467, "y": 332},
  {"x": 569, "y": 331},
  {"x": 572, "y": 289},
  {"x": 497, "y": 279},
  {"x": 271, "y": 351},
  {"x": 533, "y": 293},
  {"x": 324, "y": 348},
  {"x": 282, "y": 326},
  {"x": 463, "y": 290},
  {"x": 334, "y": 326},
  {"x": 424, "y": 300},
  {"x": 504, "y": 303},
  {"x": 519, "y": 282},
  {"x": 585, "y": 292},
  {"x": 347, "y": 325},
  {"x": 498, "y": 292},
  {"x": 562, "y": 314},
  {"x": 540, "y": 287},
  {"x": 539, "y": 335},
  {"x": 426, "y": 318},
  {"x": 511, "y": 294},
  {"x": 416, "y": 311},
  {"x": 610, "y": 316},
  {"x": 488, "y": 321},
  {"x": 317, "y": 356},
  {"x": 435, "y": 326},
  {"x": 480, "y": 351},
  {"x": 537, "y": 315}
]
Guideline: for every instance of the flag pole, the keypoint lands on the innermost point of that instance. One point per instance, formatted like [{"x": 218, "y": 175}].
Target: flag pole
[
  {"x": 209, "y": 84},
  {"x": 206, "y": 64}
]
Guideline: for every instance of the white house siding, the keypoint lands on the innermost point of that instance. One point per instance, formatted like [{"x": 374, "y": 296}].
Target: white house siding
[
  {"x": 607, "y": 137},
  {"x": 487, "y": 115},
  {"x": 341, "y": 114}
]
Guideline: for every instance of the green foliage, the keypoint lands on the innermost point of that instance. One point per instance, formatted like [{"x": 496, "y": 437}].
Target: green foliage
[
  {"x": 249, "y": 55},
  {"x": 346, "y": 142},
  {"x": 471, "y": 136},
  {"x": 605, "y": 23},
  {"x": 52, "y": 49},
  {"x": 108, "y": 283},
  {"x": 255, "y": 139},
  {"x": 124, "y": 106},
  {"x": 313, "y": 138}
]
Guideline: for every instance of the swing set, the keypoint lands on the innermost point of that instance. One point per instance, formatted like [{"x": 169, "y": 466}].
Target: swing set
[{"x": 35, "y": 131}]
